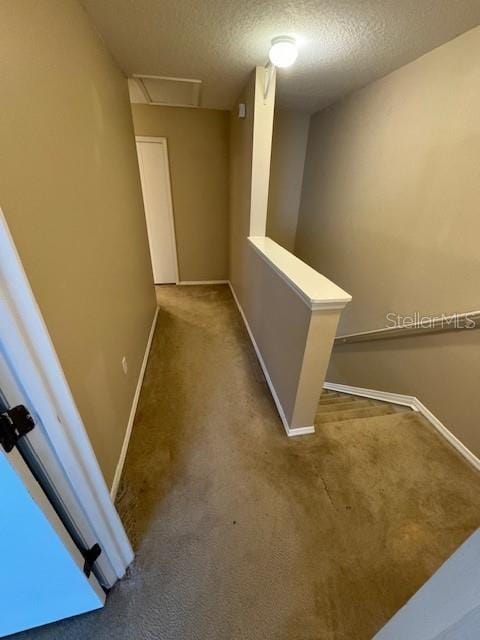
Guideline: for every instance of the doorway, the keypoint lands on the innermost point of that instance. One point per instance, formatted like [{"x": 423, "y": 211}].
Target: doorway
[{"x": 157, "y": 198}]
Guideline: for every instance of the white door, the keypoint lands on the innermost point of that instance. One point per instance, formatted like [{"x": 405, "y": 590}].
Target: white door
[
  {"x": 43, "y": 576},
  {"x": 36, "y": 448},
  {"x": 157, "y": 198}
]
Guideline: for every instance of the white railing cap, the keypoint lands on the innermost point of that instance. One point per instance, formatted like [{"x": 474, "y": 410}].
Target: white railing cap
[{"x": 316, "y": 290}]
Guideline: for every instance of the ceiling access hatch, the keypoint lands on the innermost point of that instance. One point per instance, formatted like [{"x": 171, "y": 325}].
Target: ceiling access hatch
[{"x": 173, "y": 92}]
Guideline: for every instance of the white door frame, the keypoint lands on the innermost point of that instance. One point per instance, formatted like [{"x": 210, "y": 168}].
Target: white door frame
[
  {"x": 164, "y": 142},
  {"x": 27, "y": 346}
]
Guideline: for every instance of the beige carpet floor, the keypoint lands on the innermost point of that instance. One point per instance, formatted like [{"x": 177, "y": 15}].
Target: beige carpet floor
[{"x": 244, "y": 534}]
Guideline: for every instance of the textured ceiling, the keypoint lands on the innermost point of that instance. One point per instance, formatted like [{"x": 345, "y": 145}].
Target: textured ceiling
[{"x": 344, "y": 44}]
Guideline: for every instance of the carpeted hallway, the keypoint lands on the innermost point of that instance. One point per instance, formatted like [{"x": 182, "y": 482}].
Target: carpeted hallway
[{"x": 244, "y": 534}]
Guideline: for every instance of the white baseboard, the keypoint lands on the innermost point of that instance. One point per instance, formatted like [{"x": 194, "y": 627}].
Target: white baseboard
[
  {"x": 190, "y": 282},
  {"x": 447, "y": 434},
  {"x": 300, "y": 431},
  {"x": 133, "y": 410},
  {"x": 385, "y": 396},
  {"x": 416, "y": 405}
]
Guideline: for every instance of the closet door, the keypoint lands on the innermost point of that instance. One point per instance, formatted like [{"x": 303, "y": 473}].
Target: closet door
[{"x": 157, "y": 199}]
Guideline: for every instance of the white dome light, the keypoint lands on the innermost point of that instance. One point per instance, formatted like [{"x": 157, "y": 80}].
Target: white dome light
[{"x": 283, "y": 52}]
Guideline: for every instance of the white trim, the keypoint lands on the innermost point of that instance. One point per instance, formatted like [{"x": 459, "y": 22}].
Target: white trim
[
  {"x": 133, "y": 410},
  {"x": 299, "y": 431},
  {"x": 173, "y": 104},
  {"x": 32, "y": 356},
  {"x": 384, "y": 396},
  {"x": 315, "y": 290},
  {"x": 416, "y": 405},
  {"x": 154, "y": 139},
  {"x": 192, "y": 282},
  {"x": 164, "y": 143},
  {"x": 151, "y": 77},
  {"x": 448, "y": 435}
]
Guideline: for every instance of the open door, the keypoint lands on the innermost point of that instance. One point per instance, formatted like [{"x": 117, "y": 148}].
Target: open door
[{"x": 44, "y": 576}]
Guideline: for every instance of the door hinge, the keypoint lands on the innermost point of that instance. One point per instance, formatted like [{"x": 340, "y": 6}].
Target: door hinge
[
  {"x": 90, "y": 556},
  {"x": 14, "y": 423}
]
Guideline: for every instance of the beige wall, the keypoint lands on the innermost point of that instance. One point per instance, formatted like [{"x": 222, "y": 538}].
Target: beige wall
[
  {"x": 390, "y": 212},
  {"x": 198, "y": 156},
  {"x": 289, "y": 146},
  {"x": 70, "y": 191}
]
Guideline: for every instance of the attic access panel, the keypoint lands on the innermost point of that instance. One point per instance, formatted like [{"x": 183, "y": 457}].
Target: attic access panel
[{"x": 174, "y": 92}]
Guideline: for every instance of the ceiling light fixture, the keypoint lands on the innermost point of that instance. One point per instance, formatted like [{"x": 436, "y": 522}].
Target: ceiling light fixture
[{"x": 283, "y": 51}]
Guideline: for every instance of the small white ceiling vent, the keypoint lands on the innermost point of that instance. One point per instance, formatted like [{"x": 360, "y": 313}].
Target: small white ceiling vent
[{"x": 172, "y": 92}]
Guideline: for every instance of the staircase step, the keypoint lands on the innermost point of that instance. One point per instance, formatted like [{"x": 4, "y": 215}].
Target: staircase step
[
  {"x": 336, "y": 399},
  {"x": 328, "y": 394},
  {"x": 391, "y": 420},
  {"x": 400, "y": 408},
  {"x": 342, "y": 406},
  {"x": 353, "y": 413}
]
